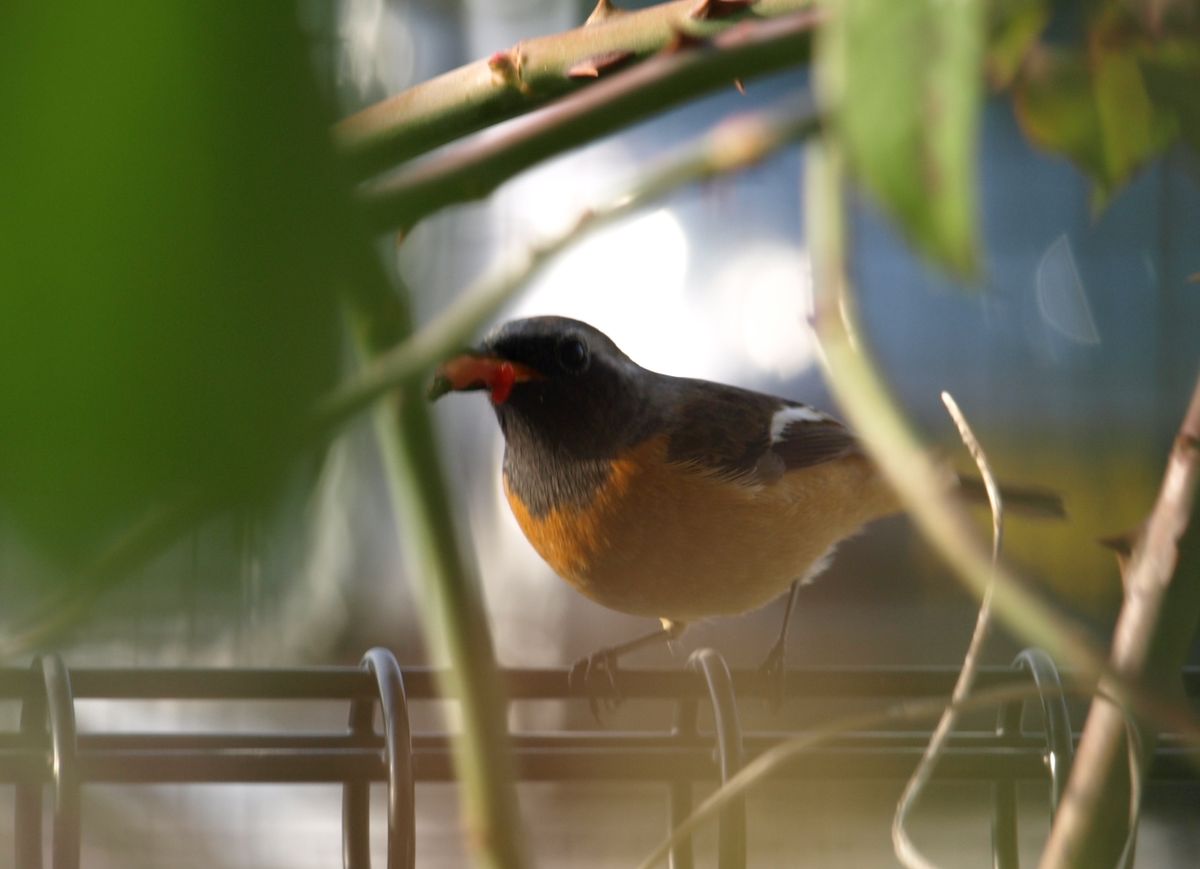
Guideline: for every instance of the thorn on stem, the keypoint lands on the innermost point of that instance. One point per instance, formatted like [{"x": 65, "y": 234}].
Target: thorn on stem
[
  {"x": 605, "y": 9},
  {"x": 712, "y": 10},
  {"x": 1122, "y": 546},
  {"x": 506, "y": 68},
  {"x": 681, "y": 40},
  {"x": 598, "y": 64}
]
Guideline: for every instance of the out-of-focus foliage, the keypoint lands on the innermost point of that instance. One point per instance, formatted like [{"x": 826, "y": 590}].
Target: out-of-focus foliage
[
  {"x": 172, "y": 229},
  {"x": 1115, "y": 95},
  {"x": 904, "y": 83},
  {"x": 1110, "y": 84}
]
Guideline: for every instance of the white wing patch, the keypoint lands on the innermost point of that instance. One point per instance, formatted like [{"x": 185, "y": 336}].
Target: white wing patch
[{"x": 788, "y": 415}]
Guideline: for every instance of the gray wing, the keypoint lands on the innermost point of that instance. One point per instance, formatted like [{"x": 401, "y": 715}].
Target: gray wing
[{"x": 746, "y": 435}]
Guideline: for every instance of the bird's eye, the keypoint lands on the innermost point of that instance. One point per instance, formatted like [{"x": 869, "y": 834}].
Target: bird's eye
[{"x": 573, "y": 354}]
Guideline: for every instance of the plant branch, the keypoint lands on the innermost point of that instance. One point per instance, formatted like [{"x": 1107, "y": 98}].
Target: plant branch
[
  {"x": 906, "y": 851},
  {"x": 527, "y": 76},
  {"x": 474, "y": 169},
  {"x": 1155, "y": 627},
  {"x": 454, "y": 617}
]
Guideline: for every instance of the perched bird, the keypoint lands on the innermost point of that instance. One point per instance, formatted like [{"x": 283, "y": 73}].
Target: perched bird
[{"x": 665, "y": 496}]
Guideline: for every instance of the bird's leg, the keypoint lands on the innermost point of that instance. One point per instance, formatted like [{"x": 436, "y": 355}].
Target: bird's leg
[
  {"x": 604, "y": 663},
  {"x": 772, "y": 668}
]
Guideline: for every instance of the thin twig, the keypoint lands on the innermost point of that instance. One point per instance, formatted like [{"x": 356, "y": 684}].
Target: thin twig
[
  {"x": 906, "y": 851},
  {"x": 475, "y": 168},
  {"x": 526, "y": 76}
]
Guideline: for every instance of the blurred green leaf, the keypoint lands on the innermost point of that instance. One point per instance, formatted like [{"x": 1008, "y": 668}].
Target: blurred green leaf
[
  {"x": 1055, "y": 106},
  {"x": 172, "y": 227},
  {"x": 1132, "y": 128},
  {"x": 1014, "y": 27},
  {"x": 1172, "y": 75},
  {"x": 1113, "y": 105},
  {"x": 905, "y": 82}
]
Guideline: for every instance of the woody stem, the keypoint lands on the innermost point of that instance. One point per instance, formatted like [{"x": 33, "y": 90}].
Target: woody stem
[
  {"x": 526, "y": 76},
  {"x": 476, "y": 168}
]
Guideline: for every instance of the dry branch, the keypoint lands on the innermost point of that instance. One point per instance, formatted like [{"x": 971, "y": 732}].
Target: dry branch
[{"x": 1154, "y": 630}]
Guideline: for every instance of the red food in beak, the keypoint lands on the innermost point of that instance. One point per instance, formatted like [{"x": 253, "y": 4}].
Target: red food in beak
[{"x": 468, "y": 372}]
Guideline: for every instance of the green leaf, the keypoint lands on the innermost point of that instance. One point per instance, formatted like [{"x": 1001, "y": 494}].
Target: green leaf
[
  {"x": 1115, "y": 105},
  {"x": 1132, "y": 129},
  {"x": 1172, "y": 74},
  {"x": 1014, "y": 28},
  {"x": 903, "y": 81},
  {"x": 1056, "y": 108},
  {"x": 174, "y": 229}
]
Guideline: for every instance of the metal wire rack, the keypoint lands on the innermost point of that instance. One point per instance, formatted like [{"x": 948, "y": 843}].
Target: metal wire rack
[{"x": 47, "y": 750}]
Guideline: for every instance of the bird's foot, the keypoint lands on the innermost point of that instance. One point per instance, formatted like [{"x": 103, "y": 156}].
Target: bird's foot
[
  {"x": 772, "y": 673},
  {"x": 594, "y": 676}
]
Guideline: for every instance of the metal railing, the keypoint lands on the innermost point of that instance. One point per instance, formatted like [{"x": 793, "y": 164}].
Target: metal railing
[{"x": 47, "y": 749}]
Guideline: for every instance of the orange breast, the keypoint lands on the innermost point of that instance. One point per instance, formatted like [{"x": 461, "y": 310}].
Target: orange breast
[{"x": 672, "y": 541}]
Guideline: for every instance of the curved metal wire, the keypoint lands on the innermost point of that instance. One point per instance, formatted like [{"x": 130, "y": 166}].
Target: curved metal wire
[
  {"x": 64, "y": 769},
  {"x": 1005, "y": 853},
  {"x": 1056, "y": 719},
  {"x": 1060, "y": 751},
  {"x": 27, "y": 812},
  {"x": 731, "y": 831},
  {"x": 679, "y": 798},
  {"x": 397, "y": 741}
]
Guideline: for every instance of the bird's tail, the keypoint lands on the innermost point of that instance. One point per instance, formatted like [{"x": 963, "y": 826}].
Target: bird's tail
[{"x": 1032, "y": 501}]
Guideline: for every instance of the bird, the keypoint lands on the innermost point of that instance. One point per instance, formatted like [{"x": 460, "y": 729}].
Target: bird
[{"x": 669, "y": 497}]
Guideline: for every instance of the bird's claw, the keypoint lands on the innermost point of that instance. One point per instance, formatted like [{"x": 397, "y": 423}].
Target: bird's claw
[{"x": 595, "y": 676}]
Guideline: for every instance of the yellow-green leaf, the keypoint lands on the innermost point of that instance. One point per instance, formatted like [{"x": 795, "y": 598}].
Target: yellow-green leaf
[
  {"x": 1013, "y": 31},
  {"x": 1056, "y": 108},
  {"x": 903, "y": 83},
  {"x": 1111, "y": 109}
]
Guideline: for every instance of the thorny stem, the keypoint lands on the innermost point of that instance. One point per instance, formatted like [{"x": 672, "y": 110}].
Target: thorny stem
[
  {"x": 1154, "y": 630},
  {"x": 527, "y": 76},
  {"x": 474, "y": 169}
]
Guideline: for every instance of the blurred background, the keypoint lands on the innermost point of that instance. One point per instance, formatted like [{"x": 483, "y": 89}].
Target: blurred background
[{"x": 172, "y": 241}]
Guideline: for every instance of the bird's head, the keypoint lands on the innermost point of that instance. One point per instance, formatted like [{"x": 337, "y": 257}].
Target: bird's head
[{"x": 554, "y": 378}]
